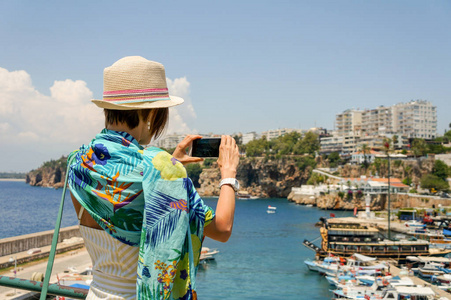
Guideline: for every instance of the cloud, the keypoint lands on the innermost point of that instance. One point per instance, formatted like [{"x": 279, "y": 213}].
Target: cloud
[
  {"x": 48, "y": 126},
  {"x": 180, "y": 116}
]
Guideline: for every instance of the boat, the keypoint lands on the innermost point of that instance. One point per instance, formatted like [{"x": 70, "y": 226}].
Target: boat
[
  {"x": 271, "y": 209},
  {"x": 415, "y": 224},
  {"x": 207, "y": 254},
  {"x": 244, "y": 195},
  {"x": 430, "y": 269},
  {"x": 312, "y": 265},
  {"x": 345, "y": 239},
  {"x": 404, "y": 288},
  {"x": 436, "y": 238}
]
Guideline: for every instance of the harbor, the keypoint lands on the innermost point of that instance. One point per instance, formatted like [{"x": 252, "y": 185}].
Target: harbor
[
  {"x": 273, "y": 238},
  {"x": 376, "y": 258}
]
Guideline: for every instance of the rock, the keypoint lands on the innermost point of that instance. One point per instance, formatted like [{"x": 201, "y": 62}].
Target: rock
[{"x": 259, "y": 177}]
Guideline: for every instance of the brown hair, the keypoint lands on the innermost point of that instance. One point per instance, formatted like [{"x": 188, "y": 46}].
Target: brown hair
[{"x": 158, "y": 118}]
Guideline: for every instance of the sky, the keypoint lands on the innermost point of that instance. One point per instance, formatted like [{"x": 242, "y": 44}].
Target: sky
[{"x": 241, "y": 66}]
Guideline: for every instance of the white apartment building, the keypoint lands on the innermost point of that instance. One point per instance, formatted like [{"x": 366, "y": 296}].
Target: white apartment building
[
  {"x": 247, "y": 137},
  {"x": 331, "y": 144},
  {"x": 169, "y": 141},
  {"x": 378, "y": 121},
  {"x": 275, "y": 133},
  {"x": 349, "y": 122},
  {"x": 415, "y": 119}
]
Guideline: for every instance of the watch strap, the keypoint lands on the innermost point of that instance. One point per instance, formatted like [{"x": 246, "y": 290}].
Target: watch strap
[{"x": 233, "y": 183}]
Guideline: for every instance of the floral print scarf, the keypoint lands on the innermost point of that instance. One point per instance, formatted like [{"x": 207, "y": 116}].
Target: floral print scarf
[{"x": 143, "y": 198}]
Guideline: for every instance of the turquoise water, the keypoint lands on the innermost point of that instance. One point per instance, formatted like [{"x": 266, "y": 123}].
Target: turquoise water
[{"x": 262, "y": 260}]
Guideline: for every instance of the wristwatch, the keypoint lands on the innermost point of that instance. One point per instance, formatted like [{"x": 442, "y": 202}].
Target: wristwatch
[{"x": 232, "y": 182}]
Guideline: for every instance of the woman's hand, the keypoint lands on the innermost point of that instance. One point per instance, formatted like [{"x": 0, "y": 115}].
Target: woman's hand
[
  {"x": 229, "y": 157},
  {"x": 180, "y": 150}
]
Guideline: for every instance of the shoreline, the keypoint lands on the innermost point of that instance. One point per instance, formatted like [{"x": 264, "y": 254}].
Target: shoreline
[{"x": 12, "y": 179}]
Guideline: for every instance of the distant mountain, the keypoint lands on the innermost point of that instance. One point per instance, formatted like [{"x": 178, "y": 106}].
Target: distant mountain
[{"x": 12, "y": 175}]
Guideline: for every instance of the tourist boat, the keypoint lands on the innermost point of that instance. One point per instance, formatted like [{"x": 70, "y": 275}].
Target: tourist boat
[
  {"x": 345, "y": 239},
  {"x": 430, "y": 269},
  {"x": 436, "y": 238},
  {"x": 357, "y": 264},
  {"x": 440, "y": 263},
  {"x": 271, "y": 209},
  {"x": 401, "y": 289},
  {"x": 443, "y": 279}
]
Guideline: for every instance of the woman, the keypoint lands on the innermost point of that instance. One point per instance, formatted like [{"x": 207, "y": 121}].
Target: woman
[{"x": 140, "y": 216}]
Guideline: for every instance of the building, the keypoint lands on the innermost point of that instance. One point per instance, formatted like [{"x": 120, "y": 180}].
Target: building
[
  {"x": 415, "y": 119},
  {"x": 331, "y": 144},
  {"x": 349, "y": 122},
  {"x": 169, "y": 141},
  {"x": 275, "y": 133},
  {"x": 399, "y": 123},
  {"x": 247, "y": 137},
  {"x": 378, "y": 121},
  {"x": 374, "y": 185},
  {"x": 359, "y": 157}
]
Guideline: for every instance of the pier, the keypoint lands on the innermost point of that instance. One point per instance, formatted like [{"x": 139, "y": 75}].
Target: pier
[{"x": 395, "y": 271}]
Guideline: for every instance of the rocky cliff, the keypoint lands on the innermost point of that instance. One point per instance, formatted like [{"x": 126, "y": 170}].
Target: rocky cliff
[
  {"x": 413, "y": 169},
  {"x": 50, "y": 174},
  {"x": 260, "y": 177},
  {"x": 334, "y": 201}
]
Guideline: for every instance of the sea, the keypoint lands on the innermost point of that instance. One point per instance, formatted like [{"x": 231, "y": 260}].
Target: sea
[{"x": 263, "y": 259}]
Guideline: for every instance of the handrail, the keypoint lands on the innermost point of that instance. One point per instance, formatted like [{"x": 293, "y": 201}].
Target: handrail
[
  {"x": 37, "y": 286},
  {"x": 45, "y": 287},
  {"x": 48, "y": 272}
]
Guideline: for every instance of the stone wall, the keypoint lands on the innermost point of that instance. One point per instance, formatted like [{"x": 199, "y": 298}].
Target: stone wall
[
  {"x": 378, "y": 201},
  {"x": 25, "y": 242}
]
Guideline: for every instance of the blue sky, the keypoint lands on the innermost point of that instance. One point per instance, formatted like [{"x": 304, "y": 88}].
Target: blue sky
[{"x": 242, "y": 65}]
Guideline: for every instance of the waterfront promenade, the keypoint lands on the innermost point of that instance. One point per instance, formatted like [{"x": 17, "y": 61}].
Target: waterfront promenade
[{"x": 78, "y": 259}]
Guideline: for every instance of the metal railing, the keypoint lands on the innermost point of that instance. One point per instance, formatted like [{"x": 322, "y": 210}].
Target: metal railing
[{"x": 45, "y": 287}]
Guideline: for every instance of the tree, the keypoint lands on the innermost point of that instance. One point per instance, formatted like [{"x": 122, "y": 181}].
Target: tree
[
  {"x": 193, "y": 171},
  {"x": 257, "y": 147},
  {"x": 334, "y": 159},
  {"x": 309, "y": 144},
  {"x": 447, "y": 135},
  {"x": 419, "y": 147},
  {"x": 365, "y": 151},
  {"x": 440, "y": 169},
  {"x": 395, "y": 140},
  {"x": 430, "y": 181}
]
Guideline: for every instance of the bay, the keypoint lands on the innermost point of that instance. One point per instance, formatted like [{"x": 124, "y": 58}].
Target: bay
[{"x": 263, "y": 259}]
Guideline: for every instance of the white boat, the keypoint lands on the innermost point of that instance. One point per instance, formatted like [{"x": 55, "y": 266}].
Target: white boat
[
  {"x": 271, "y": 209},
  {"x": 324, "y": 266},
  {"x": 312, "y": 265},
  {"x": 431, "y": 269},
  {"x": 207, "y": 254},
  {"x": 386, "y": 290},
  {"x": 244, "y": 195}
]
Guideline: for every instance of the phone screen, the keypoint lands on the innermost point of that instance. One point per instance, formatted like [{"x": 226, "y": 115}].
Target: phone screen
[{"x": 206, "y": 147}]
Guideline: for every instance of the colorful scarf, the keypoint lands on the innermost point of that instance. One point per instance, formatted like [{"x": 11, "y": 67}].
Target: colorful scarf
[{"x": 141, "y": 197}]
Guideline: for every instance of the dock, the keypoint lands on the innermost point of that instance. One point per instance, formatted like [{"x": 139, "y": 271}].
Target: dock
[{"x": 395, "y": 271}]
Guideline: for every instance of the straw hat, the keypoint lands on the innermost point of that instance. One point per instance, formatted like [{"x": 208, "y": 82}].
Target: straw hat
[{"x": 134, "y": 82}]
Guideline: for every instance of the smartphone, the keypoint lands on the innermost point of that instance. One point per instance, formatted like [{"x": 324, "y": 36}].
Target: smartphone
[{"x": 205, "y": 147}]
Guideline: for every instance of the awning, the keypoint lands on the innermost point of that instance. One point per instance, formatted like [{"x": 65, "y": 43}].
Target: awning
[{"x": 363, "y": 258}]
